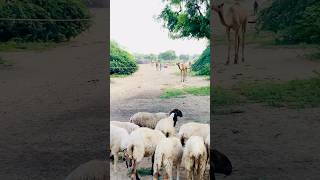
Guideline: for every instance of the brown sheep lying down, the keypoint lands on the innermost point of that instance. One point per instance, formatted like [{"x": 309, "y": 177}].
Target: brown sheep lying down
[{"x": 92, "y": 170}]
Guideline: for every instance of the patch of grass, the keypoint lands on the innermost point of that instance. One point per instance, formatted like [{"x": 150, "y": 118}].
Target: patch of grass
[
  {"x": 224, "y": 97},
  {"x": 142, "y": 172},
  {"x": 118, "y": 76},
  {"x": 18, "y": 46},
  {"x": 176, "y": 93},
  {"x": 294, "y": 94},
  {"x": 4, "y": 62}
]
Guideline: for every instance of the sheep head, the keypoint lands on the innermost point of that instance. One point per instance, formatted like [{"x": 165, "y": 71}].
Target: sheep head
[{"x": 177, "y": 113}]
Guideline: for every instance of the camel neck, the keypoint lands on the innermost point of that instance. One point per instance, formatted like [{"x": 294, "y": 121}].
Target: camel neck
[{"x": 222, "y": 19}]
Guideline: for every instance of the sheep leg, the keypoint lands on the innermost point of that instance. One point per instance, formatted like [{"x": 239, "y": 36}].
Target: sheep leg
[
  {"x": 189, "y": 175},
  {"x": 169, "y": 172},
  {"x": 152, "y": 163},
  {"x": 178, "y": 171},
  {"x": 115, "y": 162}
]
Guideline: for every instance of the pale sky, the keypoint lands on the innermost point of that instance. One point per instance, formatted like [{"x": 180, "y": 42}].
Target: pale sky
[{"x": 133, "y": 26}]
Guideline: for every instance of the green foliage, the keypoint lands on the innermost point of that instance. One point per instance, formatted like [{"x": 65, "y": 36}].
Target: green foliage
[
  {"x": 187, "y": 18},
  {"x": 293, "y": 21},
  {"x": 121, "y": 62},
  {"x": 184, "y": 57},
  {"x": 167, "y": 55},
  {"x": 197, "y": 91},
  {"x": 202, "y": 65},
  {"x": 295, "y": 93},
  {"x": 26, "y": 31}
]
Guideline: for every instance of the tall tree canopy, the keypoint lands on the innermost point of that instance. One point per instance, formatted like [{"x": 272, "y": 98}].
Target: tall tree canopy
[
  {"x": 184, "y": 57},
  {"x": 168, "y": 55},
  {"x": 187, "y": 18}
]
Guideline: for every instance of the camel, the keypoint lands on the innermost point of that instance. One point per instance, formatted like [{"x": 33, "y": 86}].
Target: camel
[
  {"x": 183, "y": 67},
  {"x": 236, "y": 19}
]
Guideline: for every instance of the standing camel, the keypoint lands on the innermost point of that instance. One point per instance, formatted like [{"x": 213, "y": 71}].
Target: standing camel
[
  {"x": 183, "y": 67},
  {"x": 236, "y": 19}
]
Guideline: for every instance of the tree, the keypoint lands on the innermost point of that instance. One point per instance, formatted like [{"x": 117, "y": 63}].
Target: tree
[
  {"x": 150, "y": 57},
  {"x": 168, "y": 55},
  {"x": 184, "y": 57},
  {"x": 187, "y": 18}
]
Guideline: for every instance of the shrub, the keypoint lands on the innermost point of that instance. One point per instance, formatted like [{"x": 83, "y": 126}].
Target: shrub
[
  {"x": 202, "y": 65},
  {"x": 121, "y": 62},
  {"x": 293, "y": 21},
  {"x": 40, "y": 30}
]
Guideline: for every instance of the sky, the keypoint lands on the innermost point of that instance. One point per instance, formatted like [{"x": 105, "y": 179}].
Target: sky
[{"x": 133, "y": 26}]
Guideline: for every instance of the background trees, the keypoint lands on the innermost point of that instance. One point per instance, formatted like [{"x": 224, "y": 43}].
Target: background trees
[
  {"x": 40, "y": 30},
  {"x": 167, "y": 55}
]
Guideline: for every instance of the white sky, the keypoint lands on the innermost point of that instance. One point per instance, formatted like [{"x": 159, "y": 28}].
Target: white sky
[{"x": 133, "y": 26}]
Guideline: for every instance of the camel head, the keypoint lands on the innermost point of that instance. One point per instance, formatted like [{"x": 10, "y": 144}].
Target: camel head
[{"x": 218, "y": 8}]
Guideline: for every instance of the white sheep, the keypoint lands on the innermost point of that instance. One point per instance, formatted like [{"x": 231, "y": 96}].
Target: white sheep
[
  {"x": 168, "y": 154},
  {"x": 92, "y": 170},
  {"x": 166, "y": 126},
  {"x": 125, "y": 125},
  {"x": 150, "y": 120},
  {"x": 142, "y": 143},
  {"x": 118, "y": 142},
  {"x": 194, "y": 157},
  {"x": 193, "y": 129}
]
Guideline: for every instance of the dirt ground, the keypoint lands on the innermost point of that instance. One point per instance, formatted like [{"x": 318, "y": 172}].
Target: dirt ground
[
  {"x": 53, "y": 107},
  {"x": 141, "y": 92},
  {"x": 266, "y": 143}
]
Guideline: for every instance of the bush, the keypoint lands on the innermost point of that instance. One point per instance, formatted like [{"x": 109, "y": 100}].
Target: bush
[
  {"x": 202, "y": 65},
  {"x": 293, "y": 21},
  {"x": 39, "y": 30},
  {"x": 121, "y": 62}
]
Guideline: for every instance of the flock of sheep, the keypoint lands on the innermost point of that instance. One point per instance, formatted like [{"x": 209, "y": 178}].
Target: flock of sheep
[{"x": 154, "y": 135}]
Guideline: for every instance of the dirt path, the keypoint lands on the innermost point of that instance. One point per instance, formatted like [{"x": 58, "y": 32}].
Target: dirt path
[
  {"x": 265, "y": 142},
  {"x": 53, "y": 107},
  {"x": 141, "y": 92}
]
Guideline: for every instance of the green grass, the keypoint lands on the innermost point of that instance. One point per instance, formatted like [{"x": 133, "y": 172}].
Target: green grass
[
  {"x": 5, "y": 62},
  {"x": 224, "y": 97},
  {"x": 142, "y": 172},
  {"x": 176, "y": 93},
  {"x": 118, "y": 76},
  {"x": 292, "y": 94},
  {"x": 19, "y": 46}
]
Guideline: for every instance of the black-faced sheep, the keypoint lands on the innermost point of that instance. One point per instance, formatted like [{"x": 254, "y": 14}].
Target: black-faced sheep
[
  {"x": 194, "y": 158},
  {"x": 150, "y": 120},
  {"x": 125, "y": 125},
  {"x": 142, "y": 143},
  {"x": 166, "y": 126},
  {"x": 168, "y": 154},
  {"x": 193, "y": 129}
]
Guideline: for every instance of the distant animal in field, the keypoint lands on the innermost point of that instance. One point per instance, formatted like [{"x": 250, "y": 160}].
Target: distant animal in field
[{"x": 183, "y": 67}]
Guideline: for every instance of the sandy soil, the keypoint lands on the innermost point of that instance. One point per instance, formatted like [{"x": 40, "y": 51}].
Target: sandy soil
[
  {"x": 266, "y": 142},
  {"x": 53, "y": 107},
  {"x": 141, "y": 92}
]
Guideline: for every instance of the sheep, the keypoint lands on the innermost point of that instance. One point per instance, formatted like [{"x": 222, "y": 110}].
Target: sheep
[
  {"x": 168, "y": 154},
  {"x": 193, "y": 129},
  {"x": 92, "y": 170},
  {"x": 125, "y": 125},
  {"x": 194, "y": 157},
  {"x": 118, "y": 142},
  {"x": 150, "y": 120},
  {"x": 166, "y": 126},
  {"x": 142, "y": 143}
]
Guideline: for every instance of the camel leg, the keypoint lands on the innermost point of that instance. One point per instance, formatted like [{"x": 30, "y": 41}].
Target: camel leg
[
  {"x": 229, "y": 46},
  {"x": 236, "y": 39},
  {"x": 244, "y": 27}
]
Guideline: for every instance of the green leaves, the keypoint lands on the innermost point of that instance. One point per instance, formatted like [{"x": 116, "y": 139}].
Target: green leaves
[
  {"x": 187, "y": 18},
  {"x": 202, "y": 65},
  {"x": 121, "y": 62},
  {"x": 28, "y": 31}
]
